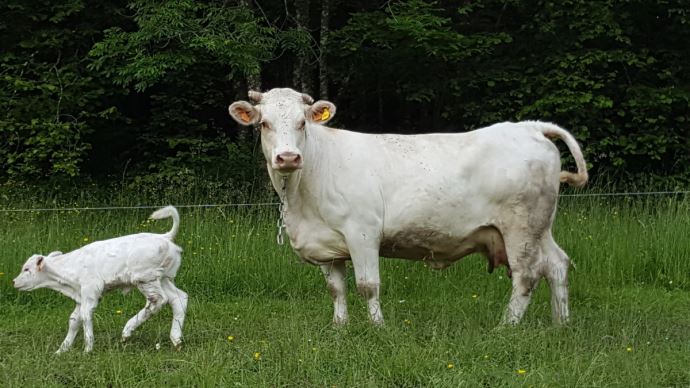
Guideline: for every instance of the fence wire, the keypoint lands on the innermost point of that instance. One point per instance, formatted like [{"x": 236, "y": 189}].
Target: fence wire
[{"x": 219, "y": 205}]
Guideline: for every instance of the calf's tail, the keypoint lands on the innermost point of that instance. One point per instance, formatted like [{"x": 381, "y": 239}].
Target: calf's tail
[{"x": 166, "y": 212}]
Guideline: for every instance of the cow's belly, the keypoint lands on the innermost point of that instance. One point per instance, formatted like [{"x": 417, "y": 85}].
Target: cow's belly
[{"x": 441, "y": 249}]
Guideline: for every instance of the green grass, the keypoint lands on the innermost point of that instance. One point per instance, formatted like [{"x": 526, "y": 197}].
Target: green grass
[{"x": 630, "y": 307}]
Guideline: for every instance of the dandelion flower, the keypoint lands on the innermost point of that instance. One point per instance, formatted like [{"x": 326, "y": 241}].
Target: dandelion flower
[
  {"x": 118, "y": 312},
  {"x": 231, "y": 338},
  {"x": 314, "y": 349},
  {"x": 450, "y": 366},
  {"x": 257, "y": 356},
  {"x": 629, "y": 349},
  {"x": 486, "y": 356},
  {"x": 86, "y": 238},
  {"x": 521, "y": 371},
  {"x": 407, "y": 322},
  {"x": 475, "y": 296}
]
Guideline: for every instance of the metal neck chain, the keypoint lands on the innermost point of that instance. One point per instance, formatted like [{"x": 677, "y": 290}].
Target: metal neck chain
[{"x": 283, "y": 211}]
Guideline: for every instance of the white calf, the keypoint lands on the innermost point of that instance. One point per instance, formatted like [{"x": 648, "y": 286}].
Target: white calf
[{"x": 147, "y": 261}]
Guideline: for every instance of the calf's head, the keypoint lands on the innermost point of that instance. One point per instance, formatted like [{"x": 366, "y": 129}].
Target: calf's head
[
  {"x": 33, "y": 274},
  {"x": 284, "y": 117}
]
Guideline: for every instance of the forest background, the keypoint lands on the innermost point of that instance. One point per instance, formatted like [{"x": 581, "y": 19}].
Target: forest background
[{"x": 133, "y": 95}]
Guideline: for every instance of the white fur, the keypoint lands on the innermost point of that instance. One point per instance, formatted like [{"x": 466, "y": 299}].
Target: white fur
[
  {"x": 146, "y": 261},
  {"x": 435, "y": 197}
]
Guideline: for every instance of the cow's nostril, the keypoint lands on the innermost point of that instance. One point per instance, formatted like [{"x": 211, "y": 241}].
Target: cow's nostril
[
  {"x": 279, "y": 160},
  {"x": 298, "y": 158}
]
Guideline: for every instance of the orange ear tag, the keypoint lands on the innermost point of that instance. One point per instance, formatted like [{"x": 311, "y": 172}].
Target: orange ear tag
[
  {"x": 325, "y": 114},
  {"x": 244, "y": 116}
]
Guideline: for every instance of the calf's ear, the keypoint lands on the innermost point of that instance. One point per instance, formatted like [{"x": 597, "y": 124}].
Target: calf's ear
[
  {"x": 39, "y": 263},
  {"x": 244, "y": 113},
  {"x": 321, "y": 112}
]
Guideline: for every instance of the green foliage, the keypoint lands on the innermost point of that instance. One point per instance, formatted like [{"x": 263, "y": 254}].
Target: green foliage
[
  {"x": 48, "y": 102},
  {"x": 184, "y": 56},
  {"x": 612, "y": 72},
  {"x": 140, "y": 89},
  {"x": 173, "y": 36}
]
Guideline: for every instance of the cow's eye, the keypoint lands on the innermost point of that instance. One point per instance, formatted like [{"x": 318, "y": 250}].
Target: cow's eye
[
  {"x": 265, "y": 125},
  {"x": 26, "y": 269},
  {"x": 301, "y": 125}
]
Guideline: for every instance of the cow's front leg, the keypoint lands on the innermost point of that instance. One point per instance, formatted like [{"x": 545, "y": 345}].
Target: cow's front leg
[
  {"x": 365, "y": 260},
  {"x": 334, "y": 272}
]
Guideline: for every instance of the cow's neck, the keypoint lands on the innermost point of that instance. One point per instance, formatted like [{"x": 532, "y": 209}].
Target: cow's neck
[{"x": 287, "y": 187}]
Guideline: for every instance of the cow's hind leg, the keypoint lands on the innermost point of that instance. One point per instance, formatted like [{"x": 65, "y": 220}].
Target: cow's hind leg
[
  {"x": 523, "y": 253},
  {"x": 334, "y": 272},
  {"x": 556, "y": 271}
]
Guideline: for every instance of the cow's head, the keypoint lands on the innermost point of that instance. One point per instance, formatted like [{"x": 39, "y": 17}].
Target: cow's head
[{"x": 284, "y": 117}]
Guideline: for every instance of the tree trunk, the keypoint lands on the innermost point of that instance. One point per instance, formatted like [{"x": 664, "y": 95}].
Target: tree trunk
[
  {"x": 323, "y": 66},
  {"x": 301, "y": 77},
  {"x": 253, "y": 79}
]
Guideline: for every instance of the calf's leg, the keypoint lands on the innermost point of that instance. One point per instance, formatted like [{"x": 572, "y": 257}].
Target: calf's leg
[
  {"x": 73, "y": 330},
  {"x": 156, "y": 298},
  {"x": 89, "y": 301},
  {"x": 178, "y": 302}
]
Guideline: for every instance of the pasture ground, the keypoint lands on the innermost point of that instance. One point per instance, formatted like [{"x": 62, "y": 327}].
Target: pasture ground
[{"x": 257, "y": 317}]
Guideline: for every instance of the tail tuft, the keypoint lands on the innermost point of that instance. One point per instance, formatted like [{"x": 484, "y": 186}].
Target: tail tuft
[
  {"x": 574, "y": 179},
  {"x": 167, "y": 212}
]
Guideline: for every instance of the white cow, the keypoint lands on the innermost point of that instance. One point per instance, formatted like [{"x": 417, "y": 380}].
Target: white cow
[{"x": 435, "y": 197}]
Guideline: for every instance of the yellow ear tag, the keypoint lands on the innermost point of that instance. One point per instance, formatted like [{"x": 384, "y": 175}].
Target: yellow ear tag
[
  {"x": 325, "y": 114},
  {"x": 244, "y": 116}
]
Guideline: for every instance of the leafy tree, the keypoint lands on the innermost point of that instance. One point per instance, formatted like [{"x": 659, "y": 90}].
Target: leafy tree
[
  {"x": 49, "y": 101},
  {"x": 140, "y": 89},
  {"x": 185, "y": 61}
]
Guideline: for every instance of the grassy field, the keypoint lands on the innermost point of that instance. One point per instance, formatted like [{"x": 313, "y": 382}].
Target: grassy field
[{"x": 258, "y": 317}]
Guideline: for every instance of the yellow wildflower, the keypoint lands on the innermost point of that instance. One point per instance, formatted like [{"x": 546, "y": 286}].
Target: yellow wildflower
[
  {"x": 231, "y": 338},
  {"x": 521, "y": 371},
  {"x": 450, "y": 366},
  {"x": 257, "y": 356}
]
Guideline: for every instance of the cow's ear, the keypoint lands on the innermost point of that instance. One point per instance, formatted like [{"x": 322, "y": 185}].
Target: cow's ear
[
  {"x": 244, "y": 112},
  {"x": 39, "y": 263},
  {"x": 321, "y": 112}
]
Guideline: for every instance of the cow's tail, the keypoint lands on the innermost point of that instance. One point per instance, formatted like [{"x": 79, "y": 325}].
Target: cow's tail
[
  {"x": 166, "y": 212},
  {"x": 579, "y": 178}
]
